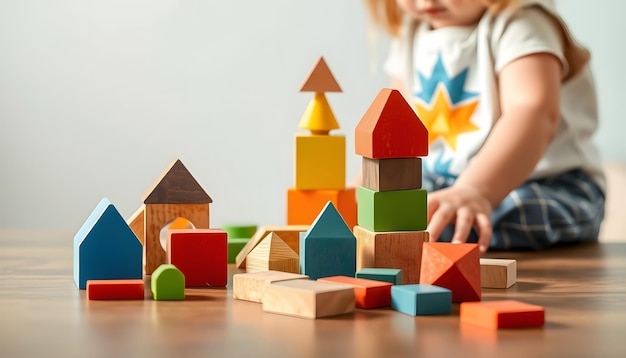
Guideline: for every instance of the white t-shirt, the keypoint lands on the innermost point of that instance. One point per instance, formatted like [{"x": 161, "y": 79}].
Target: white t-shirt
[{"x": 451, "y": 75}]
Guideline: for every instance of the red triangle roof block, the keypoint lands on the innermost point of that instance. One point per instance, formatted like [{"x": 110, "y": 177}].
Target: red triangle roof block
[
  {"x": 176, "y": 185},
  {"x": 390, "y": 128},
  {"x": 320, "y": 79}
]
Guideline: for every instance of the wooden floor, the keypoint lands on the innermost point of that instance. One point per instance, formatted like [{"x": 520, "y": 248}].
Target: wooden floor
[{"x": 43, "y": 314}]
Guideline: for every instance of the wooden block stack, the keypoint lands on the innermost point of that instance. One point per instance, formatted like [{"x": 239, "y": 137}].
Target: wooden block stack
[
  {"x": 392, "y": 209},
  {"x": 320, "y": 158}
]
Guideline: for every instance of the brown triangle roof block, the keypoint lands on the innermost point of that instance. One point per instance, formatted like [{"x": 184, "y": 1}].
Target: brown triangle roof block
[
  {"x": 176, "y": 185},
  {"x": 320, "y": 79}
]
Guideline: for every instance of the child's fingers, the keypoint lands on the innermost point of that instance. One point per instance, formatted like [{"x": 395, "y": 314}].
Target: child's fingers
[
  {"x": 463, "y": 225},
  {"x": 439, "y": 220},
  {"x": 484, "y": 232}
]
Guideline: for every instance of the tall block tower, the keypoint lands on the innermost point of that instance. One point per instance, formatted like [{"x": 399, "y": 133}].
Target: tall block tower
[
  {"x": 392, "y": 209},
  {"x": 320, "y": 158}
]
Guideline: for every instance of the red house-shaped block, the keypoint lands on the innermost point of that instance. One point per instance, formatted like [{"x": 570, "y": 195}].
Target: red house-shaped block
[
  {"x": 390, "y": 128},
  {"x": 200, "y": 254}
]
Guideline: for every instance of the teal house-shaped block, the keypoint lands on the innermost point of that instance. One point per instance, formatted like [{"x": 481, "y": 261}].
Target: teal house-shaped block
[
  {"x": 105, "y": 248},
  {"x": 328, "y": 248}
]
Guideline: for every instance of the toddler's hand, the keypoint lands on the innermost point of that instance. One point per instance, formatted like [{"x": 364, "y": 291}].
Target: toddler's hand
[{"x": 463, "y": 206}]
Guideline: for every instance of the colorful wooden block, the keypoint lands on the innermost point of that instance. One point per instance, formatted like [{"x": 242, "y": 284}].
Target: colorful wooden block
[
  {"x": 308, "y": 299},
  {"x": 453, "y": 266},
  {"x": 320, "y": 79},
  {"x": 502, "y": 314},
  {"x": 273, "y": 254},
  {"x": 497, "y": 273},
  {"x": 393, "y": 276},
  {"x": 239, "y": 230},
  {"x": 303, "y": 206},
  {"x": 392, "y": 173},
  {"x": 115, "y": 289},
  {"x": 367, "y": 293},
  {"x": 251, "y": 286},
  {"x": 328, "y": 248},
  {"x": 167, "y": 283},
  {"x": 105, "y": 248},
  {"x": 398, "y": 210},
  {"x": 320, "y": 162},
  {"x": 420, "y": 299},
  {"x": 318, "y": 117},
  {"x": 235, "y": 245},
  {"x": 390, "y": 128},
  {"x": 200, "y": 254},
  {"x": 392, "y": 249},
  {"x": 137, "y": 223},
  {"x": 289, "y": 233},
  {"x": 175, "y": 193}
]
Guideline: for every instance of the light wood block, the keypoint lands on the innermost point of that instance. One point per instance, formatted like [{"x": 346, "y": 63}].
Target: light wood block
[
  {"x": 320, "y": 162},
  {"x": 290, "y": 234},
  {"x": 251, "y": 286},
  {"x": 393, "y": 276},
  {"x": 392, "y": 174},
  {"x": 394, "y": 250},
  {"x": 115, "y": 289},
  {"x": 167, "y": 283},
  {"x": 303, "y": 206},
  {"x": 367, "y": 293},
  {"x": 453, "y": 266},
  {"x": 320, "y": 79},
  {"x": 390, "y": 128},
  {"x": 502, "y": 314},
  {"x": 200, "y": 254},
  {"x": 318, "y": 117},
  {"x": 308, "y": 299},
  {"x": 398, "y": 210},
  {"x": 497, "y": 273},
  {"x": 420, "y": 299},
  {"x": 328, "y": 248},
  {"x": 273, "y": 254},
  {"x": 105, "y": 248}
]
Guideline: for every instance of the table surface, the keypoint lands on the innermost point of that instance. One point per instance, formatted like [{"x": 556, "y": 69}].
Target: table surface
[{"x": 42, "y": 313}]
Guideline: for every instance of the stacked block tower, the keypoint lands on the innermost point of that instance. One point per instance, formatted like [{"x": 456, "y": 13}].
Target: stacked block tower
[
  {"x": 320, "y": 158},
  {"x": 392, "y": 210}
]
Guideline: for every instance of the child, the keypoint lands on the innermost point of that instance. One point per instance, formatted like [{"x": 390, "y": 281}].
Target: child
[{"x": 509, "y": 102}]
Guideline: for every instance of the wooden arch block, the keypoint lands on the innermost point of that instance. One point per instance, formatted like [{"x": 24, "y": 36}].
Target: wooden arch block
[
  {"x": 320, "y": 79},
  {"x": 167, "y": 283}
]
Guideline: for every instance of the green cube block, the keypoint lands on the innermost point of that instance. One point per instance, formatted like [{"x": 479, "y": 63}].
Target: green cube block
[
  {"x": 396, "y": 210},
  {"x": 234, "y": 246}
]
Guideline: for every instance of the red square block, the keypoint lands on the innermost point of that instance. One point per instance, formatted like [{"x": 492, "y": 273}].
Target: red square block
[
  {"x": 115, "y": 289},
  {"x": 200, "y": 254},
  {"x": 502, "y": 314},
  {"x": 367, "y": 293}
]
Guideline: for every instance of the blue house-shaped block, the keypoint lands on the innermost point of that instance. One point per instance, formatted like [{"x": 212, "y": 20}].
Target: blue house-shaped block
[
  {"x": 105, "y": 248},
  {"x": 328, "y": 248}
]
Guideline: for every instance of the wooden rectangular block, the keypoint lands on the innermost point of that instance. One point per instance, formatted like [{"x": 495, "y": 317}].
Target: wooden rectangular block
[
  {"x": 308, "y": 299},
  {"x": 392, "y": 174},
  {"x": 497, "y": 273},
  {"x": 115, "y": 289},
  {"x": 251, "y": 286},
  {"x": 502, "y": 314},
  {"x": 421, "y": 299},
  {"x": 393, "y": 276},
  {"x": 367, "y": 293},
  {"x": 200, "y": 254},
  {"x": 397, "y": 210},
  {"x": 320, "y": 162},
  {"x": 303, "y": 206},
  {"x": 395, "y": 249},
  {"x": 290, "y": 234}
]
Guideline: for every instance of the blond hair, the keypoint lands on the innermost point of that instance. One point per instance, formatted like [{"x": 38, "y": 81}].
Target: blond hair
[{"x": 387, "y": 14}]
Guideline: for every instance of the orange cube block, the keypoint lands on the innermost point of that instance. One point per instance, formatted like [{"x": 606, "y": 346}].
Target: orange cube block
[
  {"x": 502, "y": 314},
  {"x": 367, "y": 293},
  {"x": 303, "y": 206}
]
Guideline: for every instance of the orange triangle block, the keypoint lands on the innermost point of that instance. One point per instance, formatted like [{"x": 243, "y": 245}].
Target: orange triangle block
[{"x": 320, "y": 79}]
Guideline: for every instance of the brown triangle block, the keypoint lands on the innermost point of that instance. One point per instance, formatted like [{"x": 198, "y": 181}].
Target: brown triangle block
[
  {"x": 272, "y": 253},
  {"x": 320, "y": 79},
  {"x": 176, "y": 185}
]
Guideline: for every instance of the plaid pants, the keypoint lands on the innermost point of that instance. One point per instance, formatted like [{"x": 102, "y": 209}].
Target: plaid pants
[{"x": 562, "y": 209}]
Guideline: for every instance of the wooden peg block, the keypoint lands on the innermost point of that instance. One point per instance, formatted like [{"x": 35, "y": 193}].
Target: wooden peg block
[
  {"x": 167, "y": 283},
  {"x": 200, "y": 254},
  {"x": 497, "y": 273},
  {"x": 367, "y": 293},
  {"x": 392, "y": 174},
  {"x": 289, "y": 233},
  {"x": 398, "y": 210},
  {"x": 320, "y": 162},
  {"x": 393, "y": 276},
  {"x": 115, "y": 289},
  {"x": 502, "y": 314},
  {"x": 303, "y": 206},
  {"x": 421, "y": 299},
  {"x": 273, "y": 254},
  {"x": 308, "y": 299},
  {"x": 251, "y": 286},
  {"x": 394, "y": 249}
]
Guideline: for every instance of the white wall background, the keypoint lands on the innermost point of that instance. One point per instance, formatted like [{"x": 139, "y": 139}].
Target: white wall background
[{"x": 96, "y": 97}]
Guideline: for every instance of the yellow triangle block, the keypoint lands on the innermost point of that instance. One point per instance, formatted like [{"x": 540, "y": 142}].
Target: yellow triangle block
[{"x": 318, "y": 117}]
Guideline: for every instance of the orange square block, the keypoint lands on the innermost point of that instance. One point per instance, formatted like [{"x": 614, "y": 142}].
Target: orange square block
[
  {"x": 502, "y": 314},
  {"x": 115, "y": 289},
  {"x": 303, "y": 206},
  {"x": 367, "y": 293}
]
